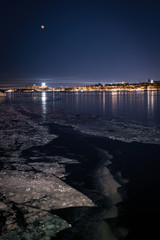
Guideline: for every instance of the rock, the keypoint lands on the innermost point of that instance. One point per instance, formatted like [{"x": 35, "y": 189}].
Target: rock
[{"x": 3, "y": 206}]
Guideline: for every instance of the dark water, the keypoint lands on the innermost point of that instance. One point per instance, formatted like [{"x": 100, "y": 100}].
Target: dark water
[
  {"x": 140, "y": 164},
  {"x": 137, "y": 106}
]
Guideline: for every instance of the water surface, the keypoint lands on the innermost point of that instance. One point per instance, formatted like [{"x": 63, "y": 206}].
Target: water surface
[{"x": 135, "y": 106}]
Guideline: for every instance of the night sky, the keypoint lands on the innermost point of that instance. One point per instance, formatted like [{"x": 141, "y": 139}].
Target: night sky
[{"x": 83, "y": 41}]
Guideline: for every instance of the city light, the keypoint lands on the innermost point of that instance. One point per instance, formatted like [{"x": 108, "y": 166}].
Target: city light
[{"x": 43, "y": 84}]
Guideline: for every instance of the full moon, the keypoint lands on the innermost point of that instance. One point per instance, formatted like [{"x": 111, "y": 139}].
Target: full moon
[{"x": 42, "y": 27}]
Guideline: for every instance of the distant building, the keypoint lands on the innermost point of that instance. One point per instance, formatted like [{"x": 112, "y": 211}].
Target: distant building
[
  {"x": 150, "y": 81},
  {"x": 119, "y": 83},
  {"x": 35, "y": 87},
  {"x": 43, "y": 85}
]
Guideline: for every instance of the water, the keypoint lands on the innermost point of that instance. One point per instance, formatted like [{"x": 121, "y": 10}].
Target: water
[{"x": 137, "y": 106}]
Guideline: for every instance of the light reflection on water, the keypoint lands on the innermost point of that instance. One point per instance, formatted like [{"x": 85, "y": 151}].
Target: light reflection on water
[
  {"x": 104, "y": 102},
  {"x": 141, "y": 106},
  {"x": 151, "y": 99},
  {"x": 2, "y": 99},
  {"x": 44, "y": 99}
]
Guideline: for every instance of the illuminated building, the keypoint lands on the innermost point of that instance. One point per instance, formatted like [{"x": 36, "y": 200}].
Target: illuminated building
[{"x": 43, "y": 86}]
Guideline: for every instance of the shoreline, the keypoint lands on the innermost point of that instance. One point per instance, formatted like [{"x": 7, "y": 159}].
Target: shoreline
[
  {"x": 139, "y": 193},
  {"x": 98, "y": 184},
  {"x": 82, "y": 174},
  {"x": 116, "y": 86},
  {"x": 29, "y": 169},
  {"x": 140, "y": 206}
]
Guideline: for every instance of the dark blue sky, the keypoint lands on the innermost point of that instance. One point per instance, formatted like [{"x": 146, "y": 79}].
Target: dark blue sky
[{"x": 83, "y": 41}]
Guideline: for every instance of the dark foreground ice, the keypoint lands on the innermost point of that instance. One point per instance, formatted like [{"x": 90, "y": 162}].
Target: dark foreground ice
[{"x": 33, "y": 188}]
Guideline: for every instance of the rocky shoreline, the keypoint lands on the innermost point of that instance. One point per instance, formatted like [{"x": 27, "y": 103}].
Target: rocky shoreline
[{"x": 36, "y": 182}]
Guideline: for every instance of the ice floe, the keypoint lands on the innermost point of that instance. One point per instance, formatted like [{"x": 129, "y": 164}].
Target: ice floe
[
  {"x": 17, "y": 131},
  {"x": 97, "y": 125},
  {"x": 30, "y": 191}
]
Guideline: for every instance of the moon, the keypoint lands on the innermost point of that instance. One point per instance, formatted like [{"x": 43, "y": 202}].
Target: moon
[{"x": 42, "y": 27}]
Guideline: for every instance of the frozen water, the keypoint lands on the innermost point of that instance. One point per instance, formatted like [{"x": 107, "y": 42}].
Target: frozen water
[
  {"x": 113, "y": 129},
  {"x": 30, "y": 191},
  {"x": 18, "y": 132}
]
